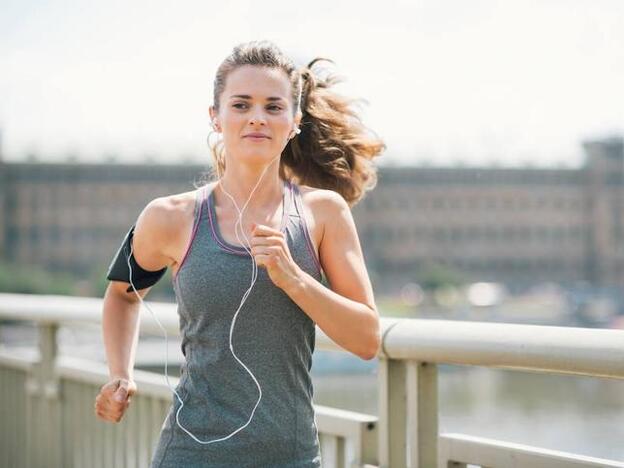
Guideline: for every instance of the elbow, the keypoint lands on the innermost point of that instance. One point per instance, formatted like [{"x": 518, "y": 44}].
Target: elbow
[
  {"x": 368, "y": 357},
  {"x": 372, "y": 351},
  {"x": 374, "y": 344}
]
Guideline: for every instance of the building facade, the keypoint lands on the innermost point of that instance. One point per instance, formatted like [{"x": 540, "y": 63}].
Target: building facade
[{"x": 519, "y": 226}]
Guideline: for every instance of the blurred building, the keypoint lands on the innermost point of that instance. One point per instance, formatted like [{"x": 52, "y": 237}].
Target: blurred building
[
  {"x": 72, "y": 217},
  {"x": 520, "y": 226}
]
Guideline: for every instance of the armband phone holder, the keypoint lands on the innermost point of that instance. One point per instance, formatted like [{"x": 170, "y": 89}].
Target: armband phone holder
[{"x": 118, "y": 269}]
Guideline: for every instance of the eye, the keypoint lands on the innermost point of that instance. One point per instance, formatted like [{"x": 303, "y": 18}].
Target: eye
[{"x": 241, "y": 105}]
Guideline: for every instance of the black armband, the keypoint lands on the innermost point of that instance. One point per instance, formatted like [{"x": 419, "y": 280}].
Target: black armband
[{"x": 119, "y": 271}]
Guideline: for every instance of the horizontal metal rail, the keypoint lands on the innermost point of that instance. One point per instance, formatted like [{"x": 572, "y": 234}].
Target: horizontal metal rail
[{"x": 406, "y": 432}]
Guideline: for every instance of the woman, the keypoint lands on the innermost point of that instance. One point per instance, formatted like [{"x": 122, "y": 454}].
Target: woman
[{"x": 283, "y": 131}]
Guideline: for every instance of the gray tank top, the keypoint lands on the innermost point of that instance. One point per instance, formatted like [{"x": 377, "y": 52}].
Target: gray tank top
[{"x": 272, "y": 336}]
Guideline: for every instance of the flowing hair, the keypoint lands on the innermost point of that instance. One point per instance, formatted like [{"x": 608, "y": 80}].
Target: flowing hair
[{"x": 334, "y": 150}]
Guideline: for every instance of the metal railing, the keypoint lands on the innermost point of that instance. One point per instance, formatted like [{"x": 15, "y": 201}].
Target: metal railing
[{"x": 47, "y": 400}]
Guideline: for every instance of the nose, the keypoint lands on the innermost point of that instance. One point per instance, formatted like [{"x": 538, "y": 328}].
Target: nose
[
  {"x": 257, "y": 117},
  {"x": 253, "y": 121}
]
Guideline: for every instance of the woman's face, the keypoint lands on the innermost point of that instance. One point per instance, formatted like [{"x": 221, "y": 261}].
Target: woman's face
[{"x": 255, "y": 100}]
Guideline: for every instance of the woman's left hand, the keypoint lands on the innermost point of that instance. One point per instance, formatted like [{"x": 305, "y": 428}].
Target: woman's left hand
[{"x": 270, "y": 250}]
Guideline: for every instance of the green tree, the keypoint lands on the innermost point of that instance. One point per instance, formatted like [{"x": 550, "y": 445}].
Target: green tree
[
  {"x": 31, "y": 279},
  {"x": 435, "y": 276}
]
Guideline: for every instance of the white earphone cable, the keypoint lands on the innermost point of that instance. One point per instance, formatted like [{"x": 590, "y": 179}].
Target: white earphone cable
[{"x": 239, "y": 224}]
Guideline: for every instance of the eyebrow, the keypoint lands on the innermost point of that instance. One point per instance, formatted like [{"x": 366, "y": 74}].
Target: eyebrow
[{"x": 247, "y": 96}]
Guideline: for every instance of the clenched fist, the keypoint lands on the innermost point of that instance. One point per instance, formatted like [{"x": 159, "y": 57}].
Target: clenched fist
[{"x": 114, "y": 399}]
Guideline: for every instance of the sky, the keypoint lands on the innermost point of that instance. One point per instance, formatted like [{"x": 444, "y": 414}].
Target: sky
[{"x": 446, "y": 82}]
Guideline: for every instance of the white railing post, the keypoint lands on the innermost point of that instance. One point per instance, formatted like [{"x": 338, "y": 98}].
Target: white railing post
[
  {"x": 43, "y": 408},
  {"x": 422, "y": 414},
  {"x": 408, "y": 414},
  {"x": 392, "y": 407}
]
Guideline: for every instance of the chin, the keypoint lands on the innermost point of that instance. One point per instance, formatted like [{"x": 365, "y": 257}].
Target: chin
[{"x": 259, "y": 156}]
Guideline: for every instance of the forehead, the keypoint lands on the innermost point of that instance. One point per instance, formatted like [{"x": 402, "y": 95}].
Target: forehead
[{"x": 258, "y": 82}]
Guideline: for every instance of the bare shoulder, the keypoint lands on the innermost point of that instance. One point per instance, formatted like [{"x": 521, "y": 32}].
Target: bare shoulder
[
  {"x": 163, "y": 212},
  {"x": 161, "y": 228},
  {"x": 322, "y": 205},
  {"x": 316, "y": 198}
]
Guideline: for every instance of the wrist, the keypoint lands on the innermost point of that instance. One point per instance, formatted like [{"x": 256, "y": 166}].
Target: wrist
[
  {"x": 121, "y": 375},
  {"x": 297, "y": 284}
]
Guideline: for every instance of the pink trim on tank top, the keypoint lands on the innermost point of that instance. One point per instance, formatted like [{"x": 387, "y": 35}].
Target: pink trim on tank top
[
  {"x": 306, "y": 232},
  {"x": 240, "y": 250},
  {"x": 195, "y": 227}
]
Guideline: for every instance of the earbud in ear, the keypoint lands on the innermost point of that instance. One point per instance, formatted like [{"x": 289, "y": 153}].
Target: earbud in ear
[{"x": 296, "y": 131}]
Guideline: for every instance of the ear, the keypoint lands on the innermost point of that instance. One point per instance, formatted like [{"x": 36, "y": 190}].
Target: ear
[
  {"x": 212, "y": 112},
  {"x": 298, "y": 117}
]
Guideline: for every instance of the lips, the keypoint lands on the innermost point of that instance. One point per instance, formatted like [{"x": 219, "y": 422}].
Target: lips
[{"x": 256, "y": 135}]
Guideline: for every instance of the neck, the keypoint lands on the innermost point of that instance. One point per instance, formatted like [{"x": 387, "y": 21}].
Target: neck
[{"x": 240, "y": 181}]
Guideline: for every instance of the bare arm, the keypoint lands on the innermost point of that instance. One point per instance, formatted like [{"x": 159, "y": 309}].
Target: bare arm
[
  {"x": 120, "y": 316},
  {"x": 346, "y": 312},
  {"x": 120, "y": 329},
  {"x": 154, "y": 234}
]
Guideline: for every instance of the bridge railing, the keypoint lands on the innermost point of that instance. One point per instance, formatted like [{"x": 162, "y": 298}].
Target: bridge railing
[
  {"x": 47, "y": 400},
  {"x": 408, "y": 403}
]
